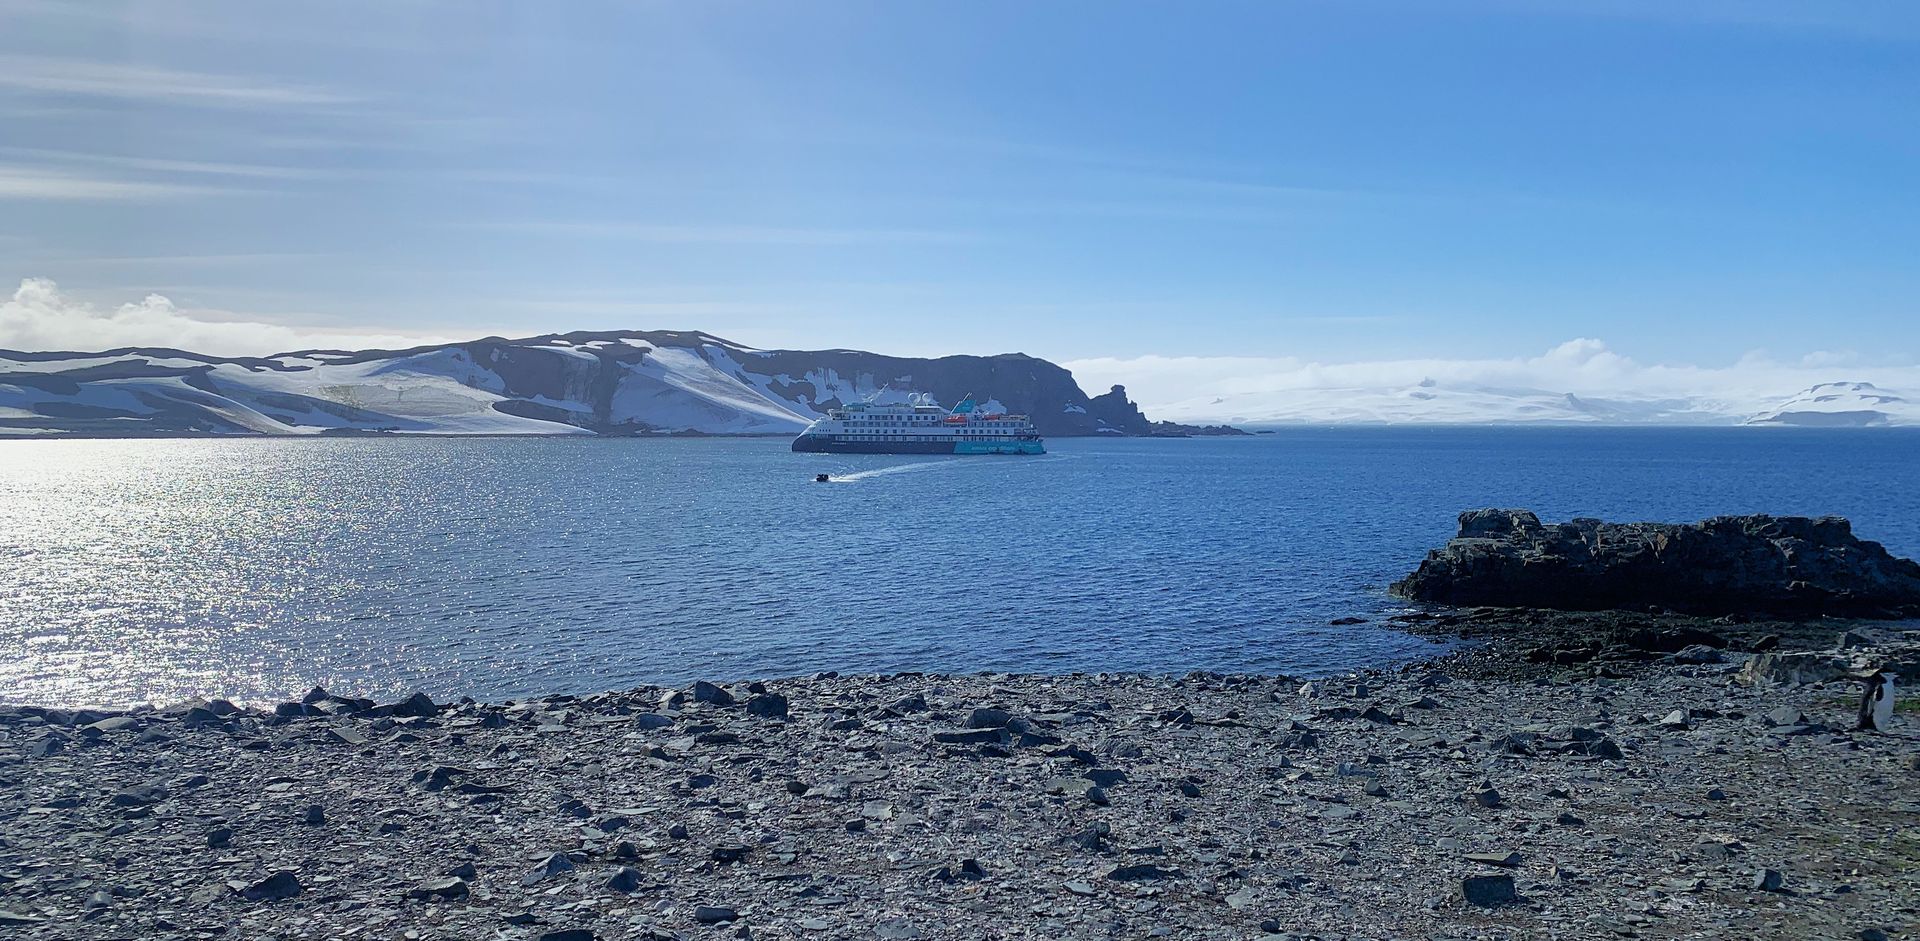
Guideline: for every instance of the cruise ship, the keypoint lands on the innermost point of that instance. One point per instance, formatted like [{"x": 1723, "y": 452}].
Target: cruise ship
[{"x": 918, "y": 427}]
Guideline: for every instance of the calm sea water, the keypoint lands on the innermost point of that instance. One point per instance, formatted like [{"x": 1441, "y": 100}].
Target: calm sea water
[{"x": 154, "y": 570}]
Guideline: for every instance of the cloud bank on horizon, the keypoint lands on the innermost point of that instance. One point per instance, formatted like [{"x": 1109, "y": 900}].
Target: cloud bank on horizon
[
  {"x": 1578, "y": 380},
  {"x": 39, "y": 317}
]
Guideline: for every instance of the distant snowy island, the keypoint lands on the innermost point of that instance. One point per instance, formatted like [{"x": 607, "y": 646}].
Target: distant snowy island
[
  {"x": 1845, "y": 404},
  {"x": 605, "y": 383},
  {"x": 676, "y": 382}
]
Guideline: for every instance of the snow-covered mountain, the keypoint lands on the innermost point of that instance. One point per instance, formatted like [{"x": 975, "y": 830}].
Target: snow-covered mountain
[
  {"x": 1843, "y": 404},
  {"x": 576, "y": 383}
]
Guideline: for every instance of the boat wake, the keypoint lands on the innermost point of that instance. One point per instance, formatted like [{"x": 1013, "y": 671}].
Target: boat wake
[{"x": 858, "y": 476}]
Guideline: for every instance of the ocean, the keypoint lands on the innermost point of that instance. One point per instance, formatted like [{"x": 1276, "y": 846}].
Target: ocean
[{"x": 155, "y": 570}]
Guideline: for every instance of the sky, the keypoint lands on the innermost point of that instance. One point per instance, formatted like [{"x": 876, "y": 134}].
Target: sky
[{"x": 1144, "y": 191}]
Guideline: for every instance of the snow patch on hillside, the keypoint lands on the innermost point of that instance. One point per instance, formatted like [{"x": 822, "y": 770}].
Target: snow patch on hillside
[{"x": 708, "y": 399}]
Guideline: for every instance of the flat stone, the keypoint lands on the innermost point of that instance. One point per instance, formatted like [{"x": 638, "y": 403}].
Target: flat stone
[
  {"x": 1141, "y": 872},
  {"x": 448, "y": 888},
  {"x": 140, "y": 796},
  {"x": 970, "y": 736},
  {"x": 714, "y": 914},
  {"x": 1507, "y": 860}
]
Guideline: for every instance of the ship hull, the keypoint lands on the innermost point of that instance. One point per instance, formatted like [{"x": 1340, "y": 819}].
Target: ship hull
[{"x": 821, "y": 444}]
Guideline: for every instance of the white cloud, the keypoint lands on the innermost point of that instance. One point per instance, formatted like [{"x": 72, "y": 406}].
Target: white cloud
[
  {"x": 723, "y": 234},
  {"x": 1603, "y": 385},
  {"x": 39, "y": 317},
  {"x": 48, "y": 75},
  {"x": 18, "y": 182}
]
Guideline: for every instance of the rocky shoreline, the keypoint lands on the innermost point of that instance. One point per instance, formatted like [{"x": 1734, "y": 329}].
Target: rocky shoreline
[
  {"x": 1568, "y": 774},
  {"x": 1495, "y": 793}
]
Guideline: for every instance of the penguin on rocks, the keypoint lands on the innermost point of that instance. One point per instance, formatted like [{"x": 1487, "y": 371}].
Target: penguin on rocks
[{"x": 1876, "y": 704}]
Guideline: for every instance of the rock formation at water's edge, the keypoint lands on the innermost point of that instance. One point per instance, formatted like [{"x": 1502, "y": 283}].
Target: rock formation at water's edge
[{"x": 1786, "y": 566}]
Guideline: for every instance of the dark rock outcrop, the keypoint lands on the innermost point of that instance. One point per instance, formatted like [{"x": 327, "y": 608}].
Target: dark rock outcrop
[
  {"x": 1114, "y": 411},
  {"x": 1780, "y": 566}
]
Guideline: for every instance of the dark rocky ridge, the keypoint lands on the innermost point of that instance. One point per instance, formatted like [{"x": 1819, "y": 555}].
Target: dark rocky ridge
[{"x": 1778, "y": 566}]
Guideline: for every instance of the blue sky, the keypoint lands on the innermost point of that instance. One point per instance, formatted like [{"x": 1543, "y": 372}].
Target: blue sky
[{"x": 1343, "y": 181}]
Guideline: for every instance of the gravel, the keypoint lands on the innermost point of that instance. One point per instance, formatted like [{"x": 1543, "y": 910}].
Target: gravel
[{"x": 1423, "y": 803}]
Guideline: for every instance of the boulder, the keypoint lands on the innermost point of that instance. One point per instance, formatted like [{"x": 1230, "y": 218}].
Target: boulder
[
  {"x": 706, "y": 692},
  {"x": 281, "y": 885},
  {"x": 768, "y": 706},
  {"x": 1488, "y": 891},
  {"x": 418, "y": 705},
  {"x": 1777, "y": 566}
]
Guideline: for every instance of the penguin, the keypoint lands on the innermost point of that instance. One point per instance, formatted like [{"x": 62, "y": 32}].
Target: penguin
[{"x": 1876, "y": 704}]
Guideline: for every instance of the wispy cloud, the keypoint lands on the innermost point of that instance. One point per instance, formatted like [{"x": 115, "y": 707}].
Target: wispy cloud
[
  {"x": 723, "y": 234},
  {"x": 49, "y": 75},
  {"x": 653, "y": 311},
  {"x": 156, "y": 165},
  {"x": 185, "y": 261},
  {"x": 37, "y": 183}
]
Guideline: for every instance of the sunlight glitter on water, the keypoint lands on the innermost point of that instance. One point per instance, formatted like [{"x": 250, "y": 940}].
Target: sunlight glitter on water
[{"x": 252, "y": 569}]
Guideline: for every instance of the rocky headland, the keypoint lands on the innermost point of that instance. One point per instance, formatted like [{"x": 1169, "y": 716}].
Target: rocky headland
[
  {"x": 1568, "y": 775},
  {"x": 1780, "y": 566}
]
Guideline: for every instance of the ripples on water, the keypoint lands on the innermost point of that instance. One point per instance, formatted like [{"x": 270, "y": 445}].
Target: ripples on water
[{"x": 154, "y": 570}]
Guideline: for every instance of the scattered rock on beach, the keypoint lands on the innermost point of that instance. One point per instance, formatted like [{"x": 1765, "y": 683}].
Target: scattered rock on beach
[{"x": 970, "y": 806}]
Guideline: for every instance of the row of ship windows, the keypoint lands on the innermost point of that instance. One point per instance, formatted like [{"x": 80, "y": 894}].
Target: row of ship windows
[
  {"x": 900, "y": 437},
  {"x": 955, "y": 431},
  {"x": 874, "y": 422}
]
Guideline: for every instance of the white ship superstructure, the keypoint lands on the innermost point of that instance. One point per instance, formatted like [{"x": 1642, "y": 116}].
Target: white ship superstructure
[{"x": 919, "y": 426}]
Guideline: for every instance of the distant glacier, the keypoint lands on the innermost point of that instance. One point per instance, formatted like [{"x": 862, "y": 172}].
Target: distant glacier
[{"x": 1829, "y": 404}]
